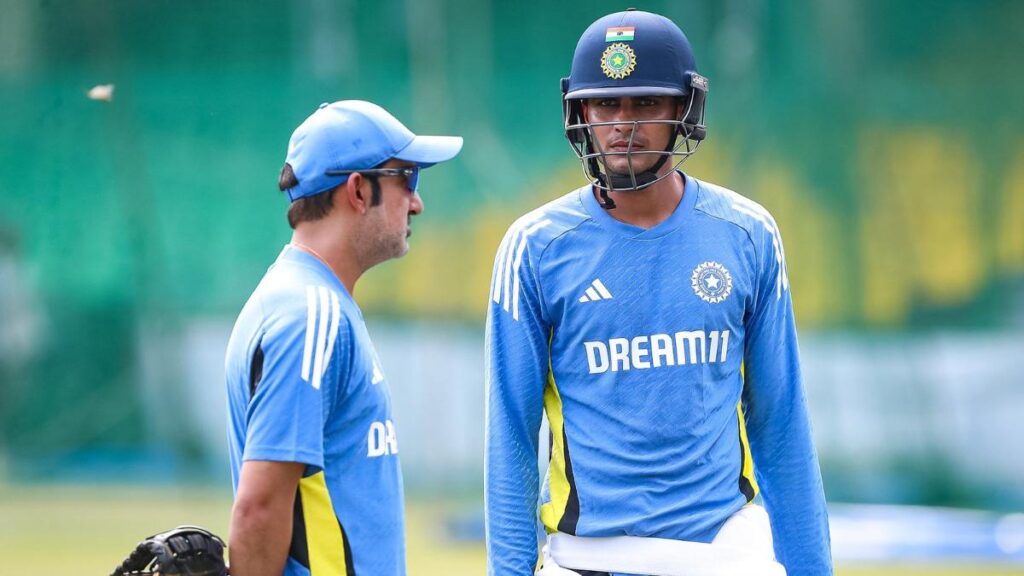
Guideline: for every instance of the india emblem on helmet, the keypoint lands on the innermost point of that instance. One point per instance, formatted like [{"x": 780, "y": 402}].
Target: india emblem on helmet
[{"x": 618, "y": 61}]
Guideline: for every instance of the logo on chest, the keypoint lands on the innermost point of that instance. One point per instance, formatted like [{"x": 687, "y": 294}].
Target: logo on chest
[
  {"x": 712, "y": 282},
  {"x": 657, "y": 350}
]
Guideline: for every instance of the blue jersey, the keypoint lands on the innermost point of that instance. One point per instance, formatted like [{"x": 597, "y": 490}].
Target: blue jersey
[
  {"x": 305, "y": 385},
  {"x": 666, "y": 362}
]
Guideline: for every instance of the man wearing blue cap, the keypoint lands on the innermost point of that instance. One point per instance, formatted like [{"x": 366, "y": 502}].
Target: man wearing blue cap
[
  {"x": 314, "y": 450},
  {"x": 648, "y": 315}
]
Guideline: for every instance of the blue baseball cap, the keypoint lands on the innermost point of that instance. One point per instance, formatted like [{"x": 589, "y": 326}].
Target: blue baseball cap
[{"x": 356, "y": 135}]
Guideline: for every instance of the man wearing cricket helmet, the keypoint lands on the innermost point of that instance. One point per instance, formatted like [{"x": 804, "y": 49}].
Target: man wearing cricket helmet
[{"x": 648, "y": 315}]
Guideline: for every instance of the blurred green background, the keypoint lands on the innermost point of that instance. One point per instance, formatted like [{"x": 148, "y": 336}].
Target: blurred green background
[{"x": 886, "y": 138}]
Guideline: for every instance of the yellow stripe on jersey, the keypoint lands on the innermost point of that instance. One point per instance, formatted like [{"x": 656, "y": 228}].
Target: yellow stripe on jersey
[
  {"x": 748, "y": 462},
  {"x": 551, "y": 512},
  {"x": 323, "y": 531}
]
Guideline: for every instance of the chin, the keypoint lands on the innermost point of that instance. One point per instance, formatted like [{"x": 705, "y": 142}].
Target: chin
[{"x": 401, "y": 250}]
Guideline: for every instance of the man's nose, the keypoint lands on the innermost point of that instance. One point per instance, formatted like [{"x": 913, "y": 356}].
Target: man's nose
[
  {"x": 624, "y": 113},
  {"x": 416, "y": 204}
]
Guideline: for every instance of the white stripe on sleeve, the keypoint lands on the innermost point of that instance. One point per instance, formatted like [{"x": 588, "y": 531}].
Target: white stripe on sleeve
[
  {"x": 318, "y": 357},
  {"x": 332, "y": 334},
  {"x": 307, "y": 352}
]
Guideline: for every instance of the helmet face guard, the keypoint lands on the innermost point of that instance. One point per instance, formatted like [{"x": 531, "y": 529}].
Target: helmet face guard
[
  {"x": 687, "y": 132},
  {"x": 630, "y": 54}
]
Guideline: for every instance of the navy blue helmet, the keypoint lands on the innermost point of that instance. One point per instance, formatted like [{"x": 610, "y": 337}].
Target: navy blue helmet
[{"x": 633, "y": 53}]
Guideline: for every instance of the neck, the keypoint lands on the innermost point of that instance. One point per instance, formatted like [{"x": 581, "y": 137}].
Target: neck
[
  {"x": 649, "y": 206},
  {"x": 333, "y": 250}
]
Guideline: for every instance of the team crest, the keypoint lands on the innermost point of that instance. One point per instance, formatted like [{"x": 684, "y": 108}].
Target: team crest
[
  {"x": 712, "y": 282},
  {"x": 618, "y": 61}
]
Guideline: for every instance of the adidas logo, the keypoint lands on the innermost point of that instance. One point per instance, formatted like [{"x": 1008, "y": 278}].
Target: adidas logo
[{"x": 596, "y": 292}]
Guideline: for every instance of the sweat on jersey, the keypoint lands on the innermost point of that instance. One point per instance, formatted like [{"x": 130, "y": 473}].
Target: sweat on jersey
[
  {"x": 304, "y": 385},
  {"x": 666, "y": 362}
]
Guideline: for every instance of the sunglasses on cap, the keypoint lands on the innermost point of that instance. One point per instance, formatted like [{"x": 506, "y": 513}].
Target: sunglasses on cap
[{"x": 411, "y": 174}]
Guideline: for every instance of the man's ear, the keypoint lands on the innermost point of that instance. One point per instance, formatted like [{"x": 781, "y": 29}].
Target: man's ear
[{"x": 351, "y": 192}]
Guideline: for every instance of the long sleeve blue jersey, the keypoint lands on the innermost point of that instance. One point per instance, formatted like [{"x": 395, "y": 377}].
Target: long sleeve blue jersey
[{"x": 666, "y": 361}]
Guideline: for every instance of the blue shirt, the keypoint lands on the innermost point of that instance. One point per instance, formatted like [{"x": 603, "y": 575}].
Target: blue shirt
[
  {"x": 666, "y": 362},
  {"x": 304, "y": 385}
]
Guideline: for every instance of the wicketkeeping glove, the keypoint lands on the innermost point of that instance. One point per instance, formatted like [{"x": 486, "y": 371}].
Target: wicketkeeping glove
[{"x": 184, "y": 551}]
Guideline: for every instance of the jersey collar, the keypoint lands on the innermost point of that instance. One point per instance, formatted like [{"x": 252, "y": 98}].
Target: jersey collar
[{"x": 678, "y": 217}]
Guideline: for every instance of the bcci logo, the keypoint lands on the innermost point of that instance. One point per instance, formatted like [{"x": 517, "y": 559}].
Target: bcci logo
[
  {"x": 618, "y": 61},
  {"x": 712, "y": 282}
]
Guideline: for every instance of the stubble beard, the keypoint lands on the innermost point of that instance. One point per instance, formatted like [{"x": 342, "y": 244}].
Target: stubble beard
[{"x": 381, "y": 243}]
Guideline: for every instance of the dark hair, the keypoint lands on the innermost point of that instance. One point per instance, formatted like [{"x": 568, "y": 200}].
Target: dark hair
[
  {"x": 374, "y": 189},
  {"x": 305, "y": 209},
  {"x": 311, "y": 208},
  {"x": 375, "y": 184}
]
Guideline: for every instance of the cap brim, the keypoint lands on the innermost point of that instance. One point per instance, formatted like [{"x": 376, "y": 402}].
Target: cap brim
[{"x": 429, "y": 150}]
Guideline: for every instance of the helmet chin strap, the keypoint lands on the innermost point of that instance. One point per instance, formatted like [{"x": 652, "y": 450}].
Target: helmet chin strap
[
  {"x": 606, "y": 201},
  {"x": 623, "y": 182}
]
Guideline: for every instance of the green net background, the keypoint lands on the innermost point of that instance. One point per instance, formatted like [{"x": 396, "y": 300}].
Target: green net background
[{"x": 886, "y": 138}]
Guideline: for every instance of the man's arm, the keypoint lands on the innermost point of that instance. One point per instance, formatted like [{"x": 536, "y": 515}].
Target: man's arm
[
  {"x": 261, "y": 519},
  {"x": 778, "y": 426},
  {"x": 516, "y": 366}
]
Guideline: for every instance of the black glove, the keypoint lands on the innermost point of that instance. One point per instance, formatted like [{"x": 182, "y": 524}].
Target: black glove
[{"x": 184, "y": 551}]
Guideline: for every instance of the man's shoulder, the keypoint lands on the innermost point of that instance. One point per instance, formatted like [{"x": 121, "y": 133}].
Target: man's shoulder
[
  {"x": 540, "y": 226},
  {"x": 725, "y": 204},
  {"x": 293, "y": 295}
]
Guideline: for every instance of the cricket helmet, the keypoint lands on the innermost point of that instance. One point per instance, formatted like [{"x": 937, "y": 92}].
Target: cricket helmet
[{"x": 633, "y": 53}]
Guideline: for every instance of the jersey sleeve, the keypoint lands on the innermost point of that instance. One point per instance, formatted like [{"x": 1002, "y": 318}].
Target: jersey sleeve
[
  {"x": 300, "y": 376},
  {"x": 778, "y": 427},
  {"x": 517, "y": 347}
]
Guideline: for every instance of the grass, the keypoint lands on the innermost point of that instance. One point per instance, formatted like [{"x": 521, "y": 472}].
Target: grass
[{"x": 89, "y": 530}]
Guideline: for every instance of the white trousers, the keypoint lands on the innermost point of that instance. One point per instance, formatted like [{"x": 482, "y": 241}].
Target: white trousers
[{"x": 743, "y": 547}]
